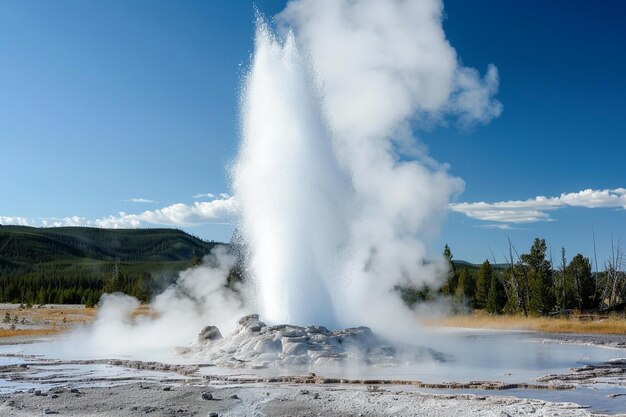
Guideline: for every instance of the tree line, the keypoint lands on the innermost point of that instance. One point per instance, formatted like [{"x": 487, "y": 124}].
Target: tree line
[
  {"x": 530, "y": 284},
  {"x": 84, "y": 283}
]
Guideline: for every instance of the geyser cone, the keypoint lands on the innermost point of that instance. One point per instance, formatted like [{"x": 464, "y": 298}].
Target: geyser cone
[{"x": 294, "y": 196}]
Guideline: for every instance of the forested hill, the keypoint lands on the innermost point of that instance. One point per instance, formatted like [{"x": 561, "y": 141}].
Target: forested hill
[
  {"x": 23, "y": 246},
  {"x": 76, "y": 264}
]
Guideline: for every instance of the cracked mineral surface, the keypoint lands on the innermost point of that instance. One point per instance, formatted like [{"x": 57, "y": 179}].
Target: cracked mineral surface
[{"x": 255, "y": 344}]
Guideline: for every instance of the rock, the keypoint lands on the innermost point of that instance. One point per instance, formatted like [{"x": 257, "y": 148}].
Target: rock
[
  {"x": 234, "y": 397},
  {"x": 256, "y": 345},
  {"x": 74, "y": 391},
  {"x": 167, "y": 388},
  {"x": 213, "y": 415},
  {"x": 207, "y": 396},
  {"x": 209, "y": 333},
  {"x": 49, "y": 411},
  {"x": 251, "y": 323},
  {"x": 294, "y": 349}
]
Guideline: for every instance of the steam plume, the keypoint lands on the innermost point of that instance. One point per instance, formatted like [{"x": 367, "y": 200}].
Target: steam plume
[{"x": 337, "y": 199}]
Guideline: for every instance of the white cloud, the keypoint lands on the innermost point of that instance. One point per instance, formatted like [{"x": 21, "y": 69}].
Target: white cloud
[
  {"x": 17, "y": 221},
  {"x": 205, "y": 195},
  {"x": 177, "y": 215},
  {"x": 140, "y": 200},
  {"x": 215, "y": 211},
  {"x": 536, "y": 209}
]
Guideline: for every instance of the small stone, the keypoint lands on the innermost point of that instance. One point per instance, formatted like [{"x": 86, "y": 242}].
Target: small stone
[
  {"x": 49, "y": 411},
  {"x": 234, "y": 397},
  {"x": 147, "y": 409},
  {"x": 209, "y": 333},
  {"x": 167, "y": 388},
  {"x": 213, "y": 415},
  {"x": 316, "y": 395},
  {"x": 55, "y": 395},
  {"x": 37, "y": 393},
  {"x": 207, "y": 396},
  {"x": 74, "y": 391}
]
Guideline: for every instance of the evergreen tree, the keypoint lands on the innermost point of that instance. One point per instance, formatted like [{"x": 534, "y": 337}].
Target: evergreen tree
[
  {"x": 483, "y": 282},
  {"x": 453, "y": 279},
  {"x": 538, "y": 271},
  {"x": 466, "y": 288},
  {"x": 496, "y": 297},
  {"x": 580, "y": 271}
]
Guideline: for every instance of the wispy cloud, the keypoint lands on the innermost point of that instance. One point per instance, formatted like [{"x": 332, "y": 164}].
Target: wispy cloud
[
  {"x": 140, "y": 200},
  {"x": 538, "y": 209},
  {"x": 205, "y": 195},
  {"x": 176, "y": 215}
]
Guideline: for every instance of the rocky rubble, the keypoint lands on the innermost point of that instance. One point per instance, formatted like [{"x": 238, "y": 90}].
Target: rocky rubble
[{"x": 255, "y": 344}]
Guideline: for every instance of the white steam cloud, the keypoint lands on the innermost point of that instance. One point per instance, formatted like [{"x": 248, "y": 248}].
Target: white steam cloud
[
  {"x": 333, "y": 215},
  {"x": 198, "y": 298}
]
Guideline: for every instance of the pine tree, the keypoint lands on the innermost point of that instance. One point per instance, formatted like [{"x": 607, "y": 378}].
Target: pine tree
[
  {"x": 483, "y": 282},
  {"x": 496, "y": 297},
  {"x": 539, "y": 275},
  {"x": 466, "y": 288},
  {"x": 453, "y": 279},
  {"x": 580, "y": 270}
]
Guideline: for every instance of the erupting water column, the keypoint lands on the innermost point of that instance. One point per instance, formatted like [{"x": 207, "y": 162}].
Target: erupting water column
[{"x": 295, "y": 198}]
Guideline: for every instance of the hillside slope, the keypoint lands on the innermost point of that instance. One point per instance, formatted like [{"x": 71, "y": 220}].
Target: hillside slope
[{"x": 75, "y": 264}]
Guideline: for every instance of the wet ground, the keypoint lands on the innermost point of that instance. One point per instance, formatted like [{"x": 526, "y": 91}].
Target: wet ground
[{"x": 487, "y": 366}]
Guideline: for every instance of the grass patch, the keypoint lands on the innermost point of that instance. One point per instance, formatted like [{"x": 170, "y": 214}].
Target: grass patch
[
  {"x": 29, "y": 332},
  {"x": 15, "y": 321},
  {"x": 481, "y": 320}
]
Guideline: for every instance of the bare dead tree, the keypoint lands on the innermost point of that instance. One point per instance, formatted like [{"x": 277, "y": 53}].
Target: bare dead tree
[
  {"x": 523, "y": 294},
  {"x": 500, "y": 278},
  {"x": 563, "y": 303},
  {"x": 595, "y": 258},
  {"x": 613, "y": 292}
]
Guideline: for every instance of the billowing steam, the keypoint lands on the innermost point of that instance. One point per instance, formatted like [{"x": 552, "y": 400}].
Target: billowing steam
[
  {"x": 176, "y": 316},
  {"x": 338, "y": 200},
  {"x": 333, "y": 210}
]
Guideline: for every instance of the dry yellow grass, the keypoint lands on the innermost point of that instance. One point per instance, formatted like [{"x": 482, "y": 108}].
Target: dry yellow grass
[
  {"x": 42, "y": 321},
  {"x": 48, "y": 321},
  {"x": 28, "y": 332},
  {"x": 480, "y": 320},
  {"x": 143, "y": 310}
]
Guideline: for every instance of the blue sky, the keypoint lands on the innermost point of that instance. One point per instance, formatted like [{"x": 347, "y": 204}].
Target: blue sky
[{"x": 105, "y": 102}]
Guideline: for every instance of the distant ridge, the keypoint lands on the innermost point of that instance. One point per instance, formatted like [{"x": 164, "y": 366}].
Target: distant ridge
[
  {"x": 21, "y": 245},
  {"x": 78, "y": 264}
]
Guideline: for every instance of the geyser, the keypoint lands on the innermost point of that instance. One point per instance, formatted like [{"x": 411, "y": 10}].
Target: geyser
[
  {"x": 295, "y": 197},
  {"x": 337, "y": 200}
]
